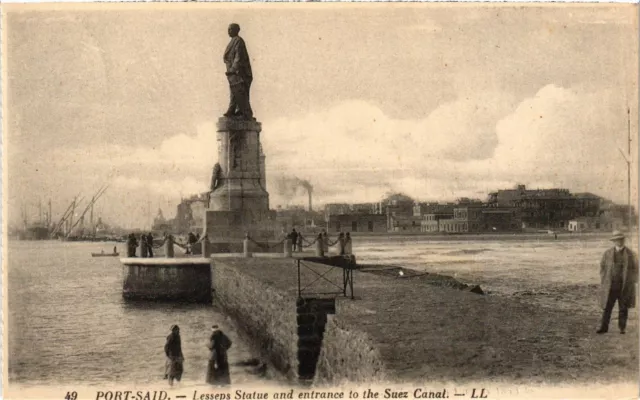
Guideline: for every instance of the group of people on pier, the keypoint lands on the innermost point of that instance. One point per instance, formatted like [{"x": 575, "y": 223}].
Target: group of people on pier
[
  {"x": 343, "y": 242},
  {"x": 218, "y": 366},
  {"x": 147, "y": 244}
]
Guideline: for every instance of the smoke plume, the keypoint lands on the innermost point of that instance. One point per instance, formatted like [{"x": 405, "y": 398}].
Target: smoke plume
[{"x": 290, "y": 187}]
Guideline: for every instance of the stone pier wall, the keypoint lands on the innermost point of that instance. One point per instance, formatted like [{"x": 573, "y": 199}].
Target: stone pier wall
[
  {"x": 347, "y": 355},
  {"x": 302, "y": 338},
  {"x": 171, "y": 279},
  {"x": 265, "y": 313}
]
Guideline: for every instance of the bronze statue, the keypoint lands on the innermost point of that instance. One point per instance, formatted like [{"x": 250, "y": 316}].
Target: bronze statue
[{"x": 236, "y": 59}]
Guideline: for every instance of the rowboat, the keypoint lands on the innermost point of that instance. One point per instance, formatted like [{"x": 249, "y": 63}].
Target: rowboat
[{"x": 105, "y": 254}]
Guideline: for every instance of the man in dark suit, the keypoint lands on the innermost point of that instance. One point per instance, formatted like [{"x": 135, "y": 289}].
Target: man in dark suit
[{"x": 618, "y": 278}]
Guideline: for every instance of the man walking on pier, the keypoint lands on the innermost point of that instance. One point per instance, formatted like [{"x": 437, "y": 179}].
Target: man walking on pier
[{"x": 618, "y": 275}]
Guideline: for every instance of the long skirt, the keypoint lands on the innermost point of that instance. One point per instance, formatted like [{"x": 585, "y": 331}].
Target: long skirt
[
  {"x": 174, "y": 369},
  {"x": 219, "y": 375}
]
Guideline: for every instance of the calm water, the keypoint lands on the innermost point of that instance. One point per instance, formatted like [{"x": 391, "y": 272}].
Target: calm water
[{"x": 68, "y": 322}]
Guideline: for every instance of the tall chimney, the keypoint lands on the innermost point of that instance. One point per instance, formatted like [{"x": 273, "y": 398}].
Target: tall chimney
[{"x": 310, "y": 204}]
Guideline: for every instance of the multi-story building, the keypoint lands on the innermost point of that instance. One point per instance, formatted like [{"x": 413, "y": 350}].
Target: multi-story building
[
  {"x": 540, "y": 208},
  {"x": 431, "y": 222},
  {"x": 399, "y": 211},
  {"x": 479, "y": 218},
  {"x": 357, "y": 223},
  {"x": 336, "y": 209},
  {"x": 190, "y": 214}
]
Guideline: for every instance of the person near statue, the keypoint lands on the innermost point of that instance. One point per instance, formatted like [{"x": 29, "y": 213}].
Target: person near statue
[
  {"x": 132, "y": 245},
  {"x": 300, "y": 238},
  {"x": 143, "y": 246},
  {"x": 150, "y": 245},
  {"x": 173, "y": 350},
  {"x": 218, "y": 367},
  {"x": 325, "y": 241},
  {"x": 168, "y": 245},
  {"x": 191, "y": 240},
  {"x": 341, "y": 243},
  {"x": 239, "y": 75},
  {"x": 348, "y": 249},
  {"x": 618, "y": 278},
  {"x": 294, "y": 239}
]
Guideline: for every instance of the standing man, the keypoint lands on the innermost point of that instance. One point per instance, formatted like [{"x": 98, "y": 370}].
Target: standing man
[
  {"x": 239, "y": 75},
  {"x": 618, "y": 277},
  {"x": 294, "y": 239},
  {"x": 175, "y": 360},
  {"x": 143, "y": 246},
  {"x": 150, "y": 244},
  {"x": 218, "y": 368}
]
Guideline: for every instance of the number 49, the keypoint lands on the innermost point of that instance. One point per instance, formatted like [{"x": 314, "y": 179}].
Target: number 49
[{"x": 71, "y": 396}]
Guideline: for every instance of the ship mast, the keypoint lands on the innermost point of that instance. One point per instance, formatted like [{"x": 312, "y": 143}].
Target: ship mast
[
  {"x": 630, "y": 216},
  {"x": 95, "y": 198}
]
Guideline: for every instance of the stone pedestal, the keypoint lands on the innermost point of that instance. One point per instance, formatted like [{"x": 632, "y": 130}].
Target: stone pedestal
[
  {"x": 242, "y": 186},
  {"x": 240, "y": 202}
]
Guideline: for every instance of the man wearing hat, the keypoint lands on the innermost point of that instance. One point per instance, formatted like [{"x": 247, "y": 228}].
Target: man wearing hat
[
  {"x": 218, "y": 367},
  {"x": 618, "y": 277}
]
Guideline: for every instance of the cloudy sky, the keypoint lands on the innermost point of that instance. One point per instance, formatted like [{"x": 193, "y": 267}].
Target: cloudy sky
[{"x": 436, "y": 101}]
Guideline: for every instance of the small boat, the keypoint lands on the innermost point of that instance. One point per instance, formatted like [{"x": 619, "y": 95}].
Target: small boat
[{"x": 103, "y": 254}]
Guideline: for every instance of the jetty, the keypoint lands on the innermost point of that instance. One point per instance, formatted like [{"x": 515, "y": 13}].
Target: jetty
[{"x": 170, "y": 279}]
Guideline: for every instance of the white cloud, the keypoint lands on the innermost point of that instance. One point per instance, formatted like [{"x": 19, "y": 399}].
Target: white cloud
[
  {"x": 559, "y": 137},
  {"x": 354, "y": 152}
]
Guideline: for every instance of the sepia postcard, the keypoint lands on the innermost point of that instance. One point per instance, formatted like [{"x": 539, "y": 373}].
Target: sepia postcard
[{"x": 320, "y": 201}]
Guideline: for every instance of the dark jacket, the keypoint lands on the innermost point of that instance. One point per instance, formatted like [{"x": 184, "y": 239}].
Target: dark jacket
[
  {"x": 219, "y": 343},
  {"x": 173, "y": 346}
]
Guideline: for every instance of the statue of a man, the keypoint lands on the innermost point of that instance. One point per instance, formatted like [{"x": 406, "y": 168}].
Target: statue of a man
[{"x": 236, "y": 58}]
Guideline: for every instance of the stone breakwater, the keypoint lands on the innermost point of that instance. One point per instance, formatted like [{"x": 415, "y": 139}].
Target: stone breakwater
[
  {"x": 348, "y": 355},
  {"x": 402, "y": 328},
  {"x": 265, "y": 313}
]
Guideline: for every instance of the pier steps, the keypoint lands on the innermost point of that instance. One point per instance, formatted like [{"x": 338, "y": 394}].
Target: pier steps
[{"x": 311, "y": 319}]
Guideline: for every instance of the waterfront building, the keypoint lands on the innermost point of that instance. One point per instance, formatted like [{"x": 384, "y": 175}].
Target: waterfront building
[
  {"x": 336, "y": 209},
  {"x": 399, "y": 212},
  {"x": 431, "y": 222},
  {"x": 478, "y": 218},
  {"x": 404, "y": 223},
  {"x": 357, "y": 223},
  {"x": 544, "y": 208},
  {"x": 595, "y": 224},
  {"x": 190, "y": 214}
]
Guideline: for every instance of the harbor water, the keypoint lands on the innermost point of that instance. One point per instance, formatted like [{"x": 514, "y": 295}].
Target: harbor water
[{"x": 69, "y": 323}]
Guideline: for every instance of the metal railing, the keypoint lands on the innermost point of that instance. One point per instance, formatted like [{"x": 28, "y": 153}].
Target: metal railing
[{"x": 341, "y": 288}]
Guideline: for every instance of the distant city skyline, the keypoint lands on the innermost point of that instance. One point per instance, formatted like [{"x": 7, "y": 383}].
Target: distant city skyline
[{"x": 434, "y": 101}]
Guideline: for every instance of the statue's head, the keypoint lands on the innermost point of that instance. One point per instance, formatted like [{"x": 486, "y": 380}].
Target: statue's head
[{"x": 233, "y": 30}]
